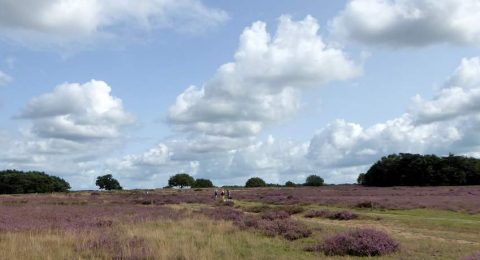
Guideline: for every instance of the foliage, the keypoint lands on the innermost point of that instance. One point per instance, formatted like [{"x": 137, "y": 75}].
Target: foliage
[
  {"x": 423, "y": 170},
  {"x": 255, "y": 182},
  {"x": 360, "y": 242},
  {"x": 181, "y": 179},
  {"x": 275, "y": 214},
  {"x": 314, "y": 180},
  {"x": 107, "y": 182},
  {"x": 337, "y": 215},
  {"x": 290, "y": 184},
  {"x": 15, "y": 182},
  {"x": 202, "y": 183}
]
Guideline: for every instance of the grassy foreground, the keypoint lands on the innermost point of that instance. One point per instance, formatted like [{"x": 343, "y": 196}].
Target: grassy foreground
[{"x": 422, "y": 234}]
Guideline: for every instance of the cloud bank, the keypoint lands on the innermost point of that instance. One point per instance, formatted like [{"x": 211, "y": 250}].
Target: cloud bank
[
  {"x": 409, "y": 23},
  {"x": 62, "y": 22}
]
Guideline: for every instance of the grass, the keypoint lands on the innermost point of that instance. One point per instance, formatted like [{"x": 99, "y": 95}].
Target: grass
[{"x": 422, "y": 233}]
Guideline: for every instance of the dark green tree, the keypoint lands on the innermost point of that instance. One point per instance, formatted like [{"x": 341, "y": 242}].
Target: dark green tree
[
  {"x": 406, "y": 169},
  {"x": 255, "y": 182},
  {"x": 107, "y": 182},
  {"x": 314, "y": 180},
  {"x": 181, "y": 179},
  {"x": 290, "y": 184},
  {"x": 13, "y": 181},
  {"x": 202, "y": 183}
]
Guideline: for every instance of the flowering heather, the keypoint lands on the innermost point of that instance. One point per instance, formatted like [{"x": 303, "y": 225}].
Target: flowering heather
[
  {"x": 29, "y": 216},
  {"x": 223, "y": 213},
  {"x": 454, "y": 198},
  {"x": 338, "y": 215},
  {"x": 275, "y": 214},
  {"x": 110, "y": 243},
  {"x": 474, "y": 256},
  {"x": 360, "y": 242}
]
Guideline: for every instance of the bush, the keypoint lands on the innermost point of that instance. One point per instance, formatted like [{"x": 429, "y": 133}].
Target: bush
[
  {"x": 294, "y": 209},
  {"x": 318, "y": 214},
  {"x": 360, "y": 242},
  {"x": 16, "y": 182},
  {"x": 343, "y": 215},
  {"x": 314, "y": 180},
  {"x": 255, "y": 182},
  {"x": 275, "y": 214}
]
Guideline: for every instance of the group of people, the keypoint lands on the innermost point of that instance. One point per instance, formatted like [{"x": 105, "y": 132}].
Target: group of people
[{"x": 223, "y": 194}]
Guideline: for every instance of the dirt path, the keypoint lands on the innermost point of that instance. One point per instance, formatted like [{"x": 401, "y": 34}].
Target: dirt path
[{"x": 389, "y": 228}]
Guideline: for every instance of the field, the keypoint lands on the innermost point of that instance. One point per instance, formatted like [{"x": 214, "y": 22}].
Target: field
[{"x": 264, "y": 223}]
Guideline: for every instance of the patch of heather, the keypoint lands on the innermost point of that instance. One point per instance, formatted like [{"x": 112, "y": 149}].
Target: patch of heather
[
  {"x": 112, "y": 244},
  {"x": 343, "y": 215},
  {"x": 454, "y": 198},
  {"x": 223, "y": 213},
  {"x": 474, "y": 256},
  {"x": 292, "y": 209},
  {"x": 360, "y": 242},
  {"x": 42, "y": 217},
  {"x": 275, "y": 214},
  {"x": 323, "y": 213}
]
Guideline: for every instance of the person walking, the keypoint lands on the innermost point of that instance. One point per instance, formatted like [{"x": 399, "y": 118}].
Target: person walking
[
  {"x": 216, "y": 194},
  {"x": 223, "y": 194},
  {"x": 229, "y": 196}
]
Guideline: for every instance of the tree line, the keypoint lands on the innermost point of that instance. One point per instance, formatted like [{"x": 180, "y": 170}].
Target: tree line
[
  {"x": 14, "y": 182},
  {"x": 407, "y": 169}
]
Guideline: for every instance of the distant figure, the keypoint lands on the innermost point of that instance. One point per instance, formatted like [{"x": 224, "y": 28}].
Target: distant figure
[
  {"x": 216, "y": 194},
  {"x": 229, "y": 195},
  {"x": 223, "y": 194}
]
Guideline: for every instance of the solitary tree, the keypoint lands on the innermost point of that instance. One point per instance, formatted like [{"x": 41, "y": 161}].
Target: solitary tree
[
  {"x": 107, "y": 182},
  {"x": 181, "y": 179},
  {"x": 314, "y": 180},
  {"x": 255, "y": 182},
  {"x": 202, "y": 183}
]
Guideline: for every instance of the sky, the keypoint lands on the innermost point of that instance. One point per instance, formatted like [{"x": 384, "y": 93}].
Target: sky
[{"x": 228, "y": 90}]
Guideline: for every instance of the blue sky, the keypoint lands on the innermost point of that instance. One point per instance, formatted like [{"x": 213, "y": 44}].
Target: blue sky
[{"x": 283, "y": 89}]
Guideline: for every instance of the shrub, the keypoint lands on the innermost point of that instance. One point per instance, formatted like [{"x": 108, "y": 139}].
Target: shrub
[
  {"x": 258, "y": 209},
  {"x": 255, "y": 182},
  {"x": 288, "y": 228},
  {"x": 360, "y": 242},
  {"x": 275, "y": 214},
  {"x": 294, "y": 209},
  {"x": 223, "y": 213},
  {"x": 318, "y": 214},
  {"x": 474, "y": 256},
  {"x": 343, "y": 215}
]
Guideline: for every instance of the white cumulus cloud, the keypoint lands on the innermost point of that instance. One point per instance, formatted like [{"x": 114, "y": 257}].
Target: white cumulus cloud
[
  {"x": 409, "y": 23},
  {"x": 77, "y": 112},
  {"x": 264, "y": 82},
  {"x": 64, "y": 21}
]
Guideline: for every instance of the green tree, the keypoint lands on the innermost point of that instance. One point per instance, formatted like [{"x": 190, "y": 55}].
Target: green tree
[
  {"x": 13, "y": 181},
  {"x": 202, "y": 183},
  {"x": 361, "y": 178},
  {"x": 255, "y": 182},
  {"x": 314, "y": 180},
  {"x": 107, "y": 182},
  {"x": 181, "y": 179},
  {"x": 290, "y": 184}
]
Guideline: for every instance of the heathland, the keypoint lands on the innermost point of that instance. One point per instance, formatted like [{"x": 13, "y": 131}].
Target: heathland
[{"x": 258, "y": 223}]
